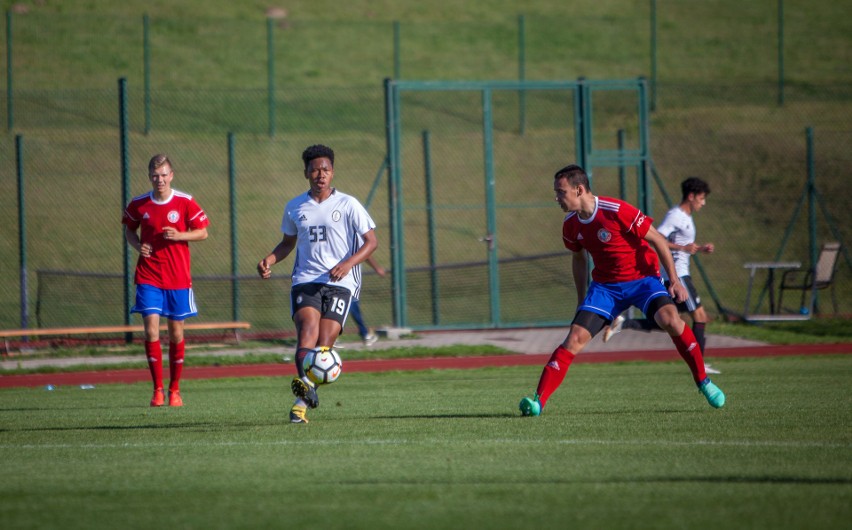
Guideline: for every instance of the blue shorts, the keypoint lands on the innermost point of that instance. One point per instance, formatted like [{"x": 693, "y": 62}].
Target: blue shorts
[
  {"x": 174, "y": 304},
  {"x": 611, "y": 299}
]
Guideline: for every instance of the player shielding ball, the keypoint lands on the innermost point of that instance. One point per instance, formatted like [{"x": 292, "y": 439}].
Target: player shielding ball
[
  {"x": 323, "y": 225},
  {"x": 626, "y": 251},
  {"x": 169, "y": 219}
]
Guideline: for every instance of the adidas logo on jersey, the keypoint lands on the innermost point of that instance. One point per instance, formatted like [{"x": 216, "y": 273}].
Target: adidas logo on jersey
[
  {"x": 146, "y": 216},
  {"x": 303, "y": 218}
]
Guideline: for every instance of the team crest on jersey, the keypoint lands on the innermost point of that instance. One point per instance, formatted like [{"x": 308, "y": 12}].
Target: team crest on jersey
[
  {"x": 335, "y": 215},
  {"x": 173, "y": 216},
  {"x": 604, "y": 235}
]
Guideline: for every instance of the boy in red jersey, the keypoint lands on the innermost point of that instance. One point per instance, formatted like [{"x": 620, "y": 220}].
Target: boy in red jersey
[
  {"x": 169, "y": 219},
  {"x": 626, "y": 250}
]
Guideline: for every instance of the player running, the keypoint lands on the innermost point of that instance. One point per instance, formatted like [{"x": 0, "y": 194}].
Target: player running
[
  {"x": 323, "y": 225},
  {"x": 678, "y": 228},
  {"x": 169, "y": 220},
  {"x": 622, "y": 243}
]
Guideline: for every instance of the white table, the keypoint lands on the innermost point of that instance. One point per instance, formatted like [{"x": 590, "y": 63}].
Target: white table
[{"x": 770, "y": 267}]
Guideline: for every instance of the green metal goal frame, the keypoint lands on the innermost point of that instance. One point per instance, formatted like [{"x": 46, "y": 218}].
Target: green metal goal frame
[{"x": 587, "y": 156}]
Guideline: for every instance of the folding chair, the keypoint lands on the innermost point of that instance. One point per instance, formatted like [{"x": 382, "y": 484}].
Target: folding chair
[{"x": 819, "y": 278}]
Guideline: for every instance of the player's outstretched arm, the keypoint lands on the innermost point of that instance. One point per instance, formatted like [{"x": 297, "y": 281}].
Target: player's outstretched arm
[{"x": 281, "y": 251}]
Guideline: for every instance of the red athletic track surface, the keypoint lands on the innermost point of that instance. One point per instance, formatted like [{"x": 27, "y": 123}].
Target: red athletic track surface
[{"x": 427, "y": 363}]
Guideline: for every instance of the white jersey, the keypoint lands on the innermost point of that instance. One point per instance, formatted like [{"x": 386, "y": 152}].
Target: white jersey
[
  {"x": 678, "y": 228},
  {"x": 328, "y": 232}
]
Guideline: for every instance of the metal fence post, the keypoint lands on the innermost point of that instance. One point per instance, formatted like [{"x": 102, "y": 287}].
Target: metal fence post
[
  {"x": 232, "y": 194},
  {"x": 125, "y": 194},
  {"x": 394, "y": 215},
  {"x": 22, "y": 231},
  {"x": 812, "y": 221},
  {"x": 431, "y": 229},
  {"x": 491, "y": 206}
]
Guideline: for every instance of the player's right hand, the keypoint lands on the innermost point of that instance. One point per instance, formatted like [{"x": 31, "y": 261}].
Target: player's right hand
[
  {"x": 678, "y": 292},
  {"x": 263, "y": 269}
]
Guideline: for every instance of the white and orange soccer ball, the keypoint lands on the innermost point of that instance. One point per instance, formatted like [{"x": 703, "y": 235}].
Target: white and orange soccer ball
[{"x": 322, "y": 365}]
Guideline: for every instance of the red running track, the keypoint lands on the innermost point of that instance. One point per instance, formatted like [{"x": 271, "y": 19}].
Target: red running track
[{"x": 383, "y": 365}]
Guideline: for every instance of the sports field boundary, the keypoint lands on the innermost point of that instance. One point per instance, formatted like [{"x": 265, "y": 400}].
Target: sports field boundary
[{"x": 137, "y": 375}]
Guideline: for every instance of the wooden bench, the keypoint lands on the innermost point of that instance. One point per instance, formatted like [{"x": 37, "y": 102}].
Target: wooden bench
[{"x": 101, "y": 330}]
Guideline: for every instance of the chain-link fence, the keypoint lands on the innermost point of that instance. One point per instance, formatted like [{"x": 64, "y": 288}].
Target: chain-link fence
[{"x": 719, "y": 119}]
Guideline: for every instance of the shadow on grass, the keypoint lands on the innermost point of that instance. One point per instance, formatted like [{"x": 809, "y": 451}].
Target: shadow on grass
[
  {"x": 190, "y": 427},
  {"x": 747, "y": 480},
  {"x": 515, "y": 414},
  {"x": 637, "y": 480},
  {"x": 444, "y": 416}
]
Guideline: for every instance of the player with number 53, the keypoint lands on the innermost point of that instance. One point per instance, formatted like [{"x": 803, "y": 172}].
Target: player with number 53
[{"x": 323, "y": 226}]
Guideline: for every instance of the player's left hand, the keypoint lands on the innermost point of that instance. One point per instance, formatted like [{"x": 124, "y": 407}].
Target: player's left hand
[{"x": 339, "y": 271}]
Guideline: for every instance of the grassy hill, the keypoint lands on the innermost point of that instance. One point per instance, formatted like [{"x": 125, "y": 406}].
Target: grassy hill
[{"x": 717, "y": 117}]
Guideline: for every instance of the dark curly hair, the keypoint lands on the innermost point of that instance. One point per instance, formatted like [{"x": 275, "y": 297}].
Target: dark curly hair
[
  {"x": 317, "y": 151},
  {"x": 693, "y": 185}
]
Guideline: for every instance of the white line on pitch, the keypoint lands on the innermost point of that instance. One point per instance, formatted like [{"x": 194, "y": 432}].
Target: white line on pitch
[{"x": 390, "y": 442}]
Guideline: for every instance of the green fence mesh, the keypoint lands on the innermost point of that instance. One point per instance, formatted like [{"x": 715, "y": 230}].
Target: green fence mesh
[{"x": 717, "y": 118}]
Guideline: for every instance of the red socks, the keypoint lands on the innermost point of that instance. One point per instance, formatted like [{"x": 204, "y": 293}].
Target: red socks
[
  {"x": 557, "y": 367},
  {"x": 554, "y": 373},
  {"x": 154, "y": 354},
  {"x": 176, "y": 351},
  {"x": 688, "y": 348}
]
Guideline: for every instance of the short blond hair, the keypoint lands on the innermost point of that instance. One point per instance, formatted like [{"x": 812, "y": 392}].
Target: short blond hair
[{"x": 158, "y": 161}]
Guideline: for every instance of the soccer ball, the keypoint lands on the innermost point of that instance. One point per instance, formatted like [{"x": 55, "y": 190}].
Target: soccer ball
[{"x": 322, "y": 365}]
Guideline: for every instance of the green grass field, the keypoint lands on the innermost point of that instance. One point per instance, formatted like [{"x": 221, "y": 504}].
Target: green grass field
[{"x": 629, "y": 445}]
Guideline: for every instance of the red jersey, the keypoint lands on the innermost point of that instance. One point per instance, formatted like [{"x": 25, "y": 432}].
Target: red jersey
[
  {"x": 168, "y": 266},
  {"x": 614, "y": 236}
]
